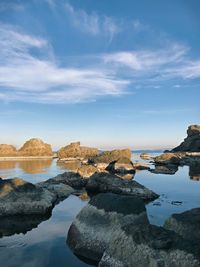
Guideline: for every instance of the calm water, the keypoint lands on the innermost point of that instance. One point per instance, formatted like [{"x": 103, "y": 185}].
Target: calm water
[{"x": 46, "y": 244}]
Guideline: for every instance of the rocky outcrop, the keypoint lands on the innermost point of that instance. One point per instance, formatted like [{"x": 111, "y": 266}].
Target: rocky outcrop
[
  {"x": 165, "y": 169},
  {"x": 121, "y": 166},
  {"x": 75, "y": 150},
  {"x": 90, "y": 234},
  {"x": 87, "y": 170},
  {"x": 167, "y": 158},
  {"x": 35, "y": 147},
  {"x": 192, "y": 142},
  {"x": 7, "y": 150},
  {"x": 181, "y": 158},
  {"x": 106, "y": 182},
  {"x": 145, "y": 156},
  {"x": 186, "y": 224},
  {"x": 18, "y": 197},
  {"x": 109, "y": 156}
]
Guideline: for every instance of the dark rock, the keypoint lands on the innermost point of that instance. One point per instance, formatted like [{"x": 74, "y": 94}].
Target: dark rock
[
  {"x": 121, "y": 166},
  {"x": 105, "y": 182},
  {"x": 165, "y": 169},
  {"x": 194, "y": 171},
  {"x": 93, "y": 228}
]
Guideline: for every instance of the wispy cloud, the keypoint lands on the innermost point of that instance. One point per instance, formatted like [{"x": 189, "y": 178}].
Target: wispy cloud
[
  {"x": 11, "y": 5},
  {"x": 27, "y": 77},
  {"x": 92, "y": 23}
]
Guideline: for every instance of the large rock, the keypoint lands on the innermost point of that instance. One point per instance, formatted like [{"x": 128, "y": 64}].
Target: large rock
[
  {"x": 7, "y": 150},
  {"x": 167, "y": 158},
  {"x": 87, "y": 170},
  {"x": 75, "y": 150},
  {"x": 109, "y": 156},
  {"x": 90, "y": 234},
  {"x": 179, "y": 158},
  {"x": 35, "y": 147},
  {"x": 18, "y": 197},
  {"x": 194, "y": 172},
  {"x": 165, "y": 169},
  {"x": 192, "y": 142},
  {"x": 186, "y": 224},
  {"x": 142, "y": 245},
  {"x": 106, "y": 182},
  {"x": 121, "y": 166}
]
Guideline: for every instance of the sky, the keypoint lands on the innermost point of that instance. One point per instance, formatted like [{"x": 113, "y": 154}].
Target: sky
[{"x": 111, "y": 74}]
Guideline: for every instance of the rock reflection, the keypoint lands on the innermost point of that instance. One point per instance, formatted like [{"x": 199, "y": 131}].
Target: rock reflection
[
  {"x": 194, "y": 172},
  {"x": 70, "y": 165},
  {"x": 7, "y": 165},
  {"x": 35, "y": 166},
  {"x": 20, "y": 224}
]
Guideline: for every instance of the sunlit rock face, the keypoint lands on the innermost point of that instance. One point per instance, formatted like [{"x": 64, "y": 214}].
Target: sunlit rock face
[
  {"x": 109, "y": 156},
  {"x": 35, "y": 147},
  {"x": 18, "y": 197},
  {"x": 75, "y": 150},
  {"x": 7, "y": 150},
  {"x": 105, "y": 182},
  {"x": 192, "y": 142},
  {"x": 103, "y": 217},
  {"x": 121, "y": 166}
]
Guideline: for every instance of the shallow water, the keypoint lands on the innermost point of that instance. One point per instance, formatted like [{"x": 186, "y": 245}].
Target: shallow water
[{"x": 46, "y": 245}]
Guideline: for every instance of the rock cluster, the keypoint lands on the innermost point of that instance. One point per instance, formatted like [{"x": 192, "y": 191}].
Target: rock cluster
[
  {"x": 75, "y": 150},
  {"x": 33, "y": 147},
  {"x": 109, "y": 156},
  {"x": 192, "y": 142}
]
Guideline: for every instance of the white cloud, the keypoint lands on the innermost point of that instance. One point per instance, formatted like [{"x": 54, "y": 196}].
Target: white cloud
[
  {"x": 93, "y": 23},
  {"x": 29, "y": 78}
]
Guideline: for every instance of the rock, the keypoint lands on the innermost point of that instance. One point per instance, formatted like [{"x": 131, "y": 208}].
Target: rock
[
  {"x": 145, "y": 156},
  {"x": 140, "y": 166},
  {"x": 148, "y": 245},
  {"x": 186, "y": 224},
  {"x": 179, "y": 158},
  {"x": 165, "y": 169},
  {"x": 106, "y": 182},
  {"x": 90, "y": 234},
  {"x": 7, "y": 150},
  {"x": 192, "y": 142},
  {"x": 35, "y": 147},
  {"x": 167, "y": 158},
  {"x": 18, "y": 197},
  {"x": 71, "y": 179},
  {"x": 60, "y": 190},
  {"x": 194, "y": 172},
  {"x": 74, "y": 150},
  {"x": 109, "y": 156},
  {"x": 121, "y": 166},
  {"x": 87, "y": 170}
]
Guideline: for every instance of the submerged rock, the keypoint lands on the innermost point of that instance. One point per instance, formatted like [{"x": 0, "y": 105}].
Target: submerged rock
[
  {"x": 192, "y": 142},
  {"x": 106, "y": 182},
  {"x": 35, "y": 147},
  {"x": 75, "y": 150},
  {"x": 186, "y": 224},
  {"x": 110, "y": 156},
  {"x": 18, "y": 197},
  {"x": 90, "y": 233}
]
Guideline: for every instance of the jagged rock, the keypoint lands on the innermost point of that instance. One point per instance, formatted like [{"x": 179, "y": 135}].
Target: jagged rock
[
  {"x": 148, "y": 245},
  {"x": 191, "y": 142},
  {"x": 186, "y": 224},
  {"x": 109, "y": 156},
  {"x": 90, "y": 234},
  {"x": 71, "y": 179},
  {"x": 18, "y": 197},
  {"x": 145, "y": 156},
  {"x": 7, "y": 150},
  {"x": 75, "y": 150},
  {"x": 121, "y": 166},
  {"x": 165, "y": 169},
  {"x": 87, "y": 170},
  {"x": 35, "y": 147},
  {"x": 106, "y": 182}
]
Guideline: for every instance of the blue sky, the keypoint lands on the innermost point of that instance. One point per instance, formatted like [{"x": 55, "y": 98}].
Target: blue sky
[{"x": 111, "y": 74}]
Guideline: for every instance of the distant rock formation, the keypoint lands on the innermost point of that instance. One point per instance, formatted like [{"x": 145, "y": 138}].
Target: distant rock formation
[
  {"x": 35, "y": 147},
  {"x": 75, "y": 150},
  {"x": 192, "y": 142},
  {"x": 7, "y": 150}
]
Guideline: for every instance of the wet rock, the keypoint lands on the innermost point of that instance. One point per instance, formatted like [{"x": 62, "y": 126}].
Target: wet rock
[
  {"x": 90, "y": 234},
  {"x": 121, "y": 166},
  {"x": 35, "y": 147},
  {"x": 191, "y": 142},
  {"x": 194, "y": 172},
  {"x": 165, "y": 169},
  {"x": 148, "y": 245},
  {"x": 18, "y": 197},
  {"x": 87, "y": 170},
  {"x": 110, "y": 156},
  {"x": 75, "y": 150},
  {"x": 186, "y": 224},
  {"x": 7, "y": 150},
  {"x": 106, "y": 182},
  {"x": 145, "y": 156},
  {"x": 71, "y": 179},
  {"x": 60, "y": 190}
]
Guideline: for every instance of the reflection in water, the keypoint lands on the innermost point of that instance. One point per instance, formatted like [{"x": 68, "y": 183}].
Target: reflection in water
[
  {"x": 70, "y": 165},
  {"x": 7, "y": 165},
  {"x": 194, "y": 172},
  {"x": 35, "y": 166}
]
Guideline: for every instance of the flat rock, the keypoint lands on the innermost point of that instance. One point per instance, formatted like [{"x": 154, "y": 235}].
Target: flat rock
[
  {"x": 165, "y": 169},
  {"x": 87, "y": 170},
  {"x": 90, "y": 233},
  {"x": 121, "y": 166},
  {"x": 106, "y": 182}
]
